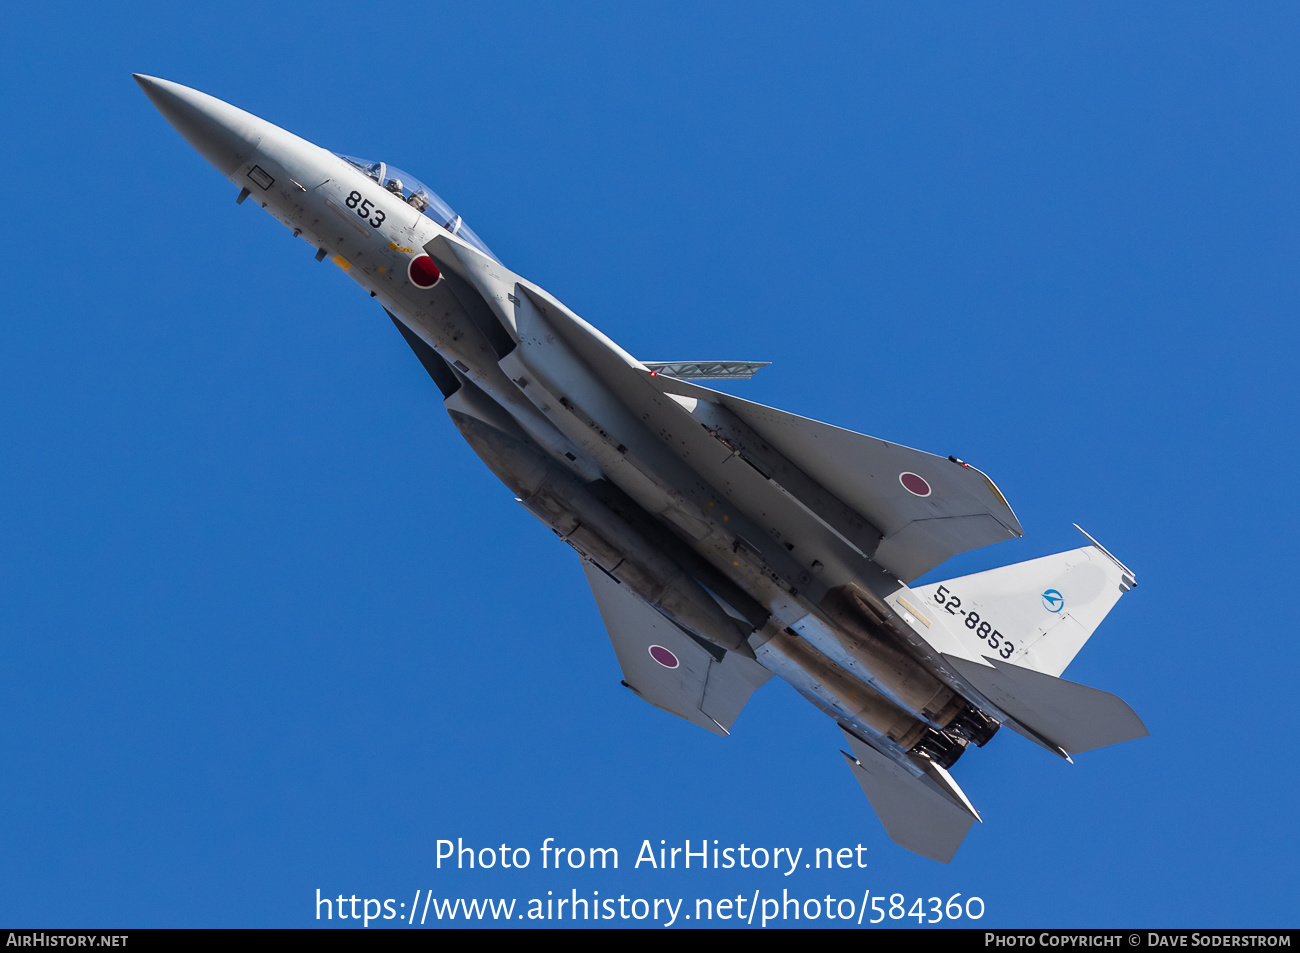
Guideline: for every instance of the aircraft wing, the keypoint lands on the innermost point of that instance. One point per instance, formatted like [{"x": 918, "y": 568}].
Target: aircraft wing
[
  {"x": 668, "y": 668},
  {"x": 950, "y": 509},
  {"x": 926, "y": 508}
]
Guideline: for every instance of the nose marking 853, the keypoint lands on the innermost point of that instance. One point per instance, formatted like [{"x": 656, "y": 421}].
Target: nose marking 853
[{"x": 363, "y": 208}]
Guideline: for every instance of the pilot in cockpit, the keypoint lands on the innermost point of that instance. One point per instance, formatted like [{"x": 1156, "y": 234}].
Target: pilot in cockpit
[
  {"x": 419, "y": 200},
  {"x": 394, "y": 186}
]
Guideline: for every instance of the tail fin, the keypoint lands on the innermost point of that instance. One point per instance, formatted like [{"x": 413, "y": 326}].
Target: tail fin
[{"x": 1037, "y": 614}]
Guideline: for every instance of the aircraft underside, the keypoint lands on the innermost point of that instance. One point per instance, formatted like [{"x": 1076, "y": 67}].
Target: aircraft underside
[{"x": 724, "y": 541}]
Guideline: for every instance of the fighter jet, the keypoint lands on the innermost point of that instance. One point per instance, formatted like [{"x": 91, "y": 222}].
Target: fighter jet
[{"x": 724, "y": 541}]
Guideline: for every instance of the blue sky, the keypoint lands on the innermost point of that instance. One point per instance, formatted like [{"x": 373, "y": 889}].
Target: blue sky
[{"x": 268, "y": 626}]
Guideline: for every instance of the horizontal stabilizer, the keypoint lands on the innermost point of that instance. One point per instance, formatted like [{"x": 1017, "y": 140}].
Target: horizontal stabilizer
[
  {"x": 1037, "y": 614},
  {"x": 707, "y": 370},
  {"x": 920, "y": 814},
  {"x": 669, "y": 668},
  {"x": 1073, "y": 717}
]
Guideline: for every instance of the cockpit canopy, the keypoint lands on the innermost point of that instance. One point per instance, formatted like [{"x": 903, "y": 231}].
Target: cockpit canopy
[{"x": 420, "y": 197}]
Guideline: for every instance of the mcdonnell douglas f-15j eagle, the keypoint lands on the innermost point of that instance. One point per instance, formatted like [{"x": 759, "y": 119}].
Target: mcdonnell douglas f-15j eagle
[{"x": 725, "y": 542}]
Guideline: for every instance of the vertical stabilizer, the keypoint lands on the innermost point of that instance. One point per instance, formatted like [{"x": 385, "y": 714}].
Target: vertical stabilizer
[{"x": 1037, "y": 614}]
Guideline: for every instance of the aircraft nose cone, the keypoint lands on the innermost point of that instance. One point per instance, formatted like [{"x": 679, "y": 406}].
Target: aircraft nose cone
[{"x": 222, "y": 134}]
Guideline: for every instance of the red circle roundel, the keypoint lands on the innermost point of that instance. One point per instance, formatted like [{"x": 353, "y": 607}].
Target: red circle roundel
[
  {"x": 914, "y": 484},
  {"x": 423, "y": 272},
  {"x": 663, "y": 656}
]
